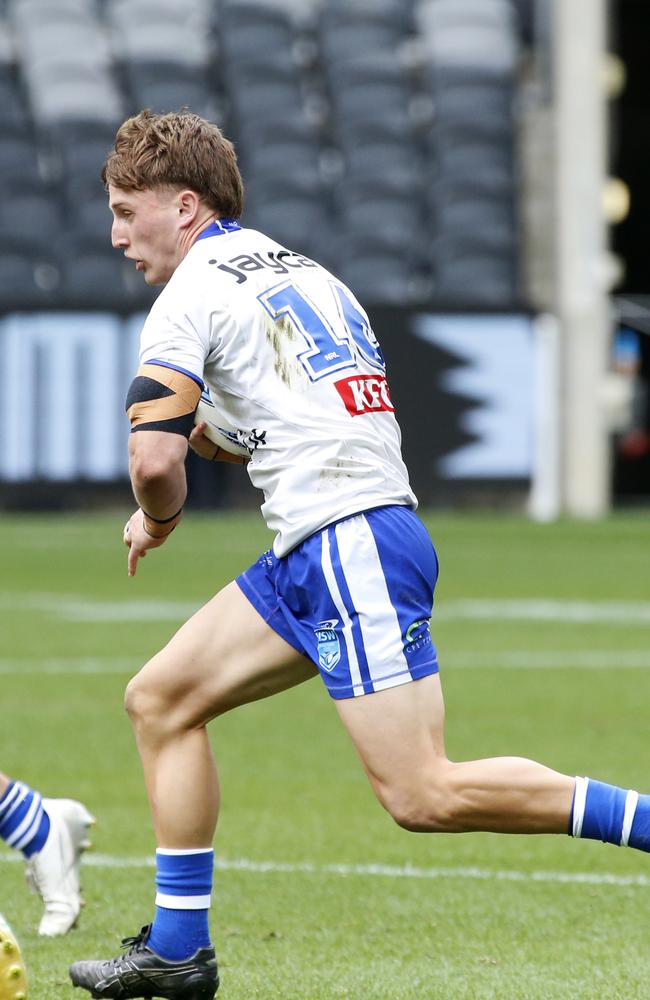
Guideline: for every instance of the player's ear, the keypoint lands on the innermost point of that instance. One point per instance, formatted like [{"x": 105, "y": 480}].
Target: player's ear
[{"x": 188, "y": 205}]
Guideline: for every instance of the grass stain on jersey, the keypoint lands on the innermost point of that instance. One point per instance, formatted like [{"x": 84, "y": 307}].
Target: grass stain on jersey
[{"x": 279, "y": 333}]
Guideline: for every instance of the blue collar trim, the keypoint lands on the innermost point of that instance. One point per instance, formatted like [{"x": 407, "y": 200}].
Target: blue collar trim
[{"x": 219, "y": 228}]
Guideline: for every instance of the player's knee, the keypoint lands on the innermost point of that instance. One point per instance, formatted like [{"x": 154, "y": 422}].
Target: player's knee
[
  {"x": 143, "y": 703},
  {"x": 420, "y": 815},
  {"x": 429, "y": 806},
  {"x": 162, "y": 704}
]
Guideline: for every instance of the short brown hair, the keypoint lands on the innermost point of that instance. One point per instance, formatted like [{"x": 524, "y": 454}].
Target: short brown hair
[{"x": 176, "y": 149}]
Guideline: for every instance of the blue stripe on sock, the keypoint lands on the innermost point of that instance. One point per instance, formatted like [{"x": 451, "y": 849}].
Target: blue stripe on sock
[{"x": 185, "y": 874}]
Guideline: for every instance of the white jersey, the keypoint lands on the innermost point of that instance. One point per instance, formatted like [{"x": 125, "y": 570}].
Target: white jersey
[{"x": 290, "y": 360}]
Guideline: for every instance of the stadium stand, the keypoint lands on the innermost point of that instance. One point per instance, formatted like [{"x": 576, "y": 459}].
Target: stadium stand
[{"x": 376, "y": 135}]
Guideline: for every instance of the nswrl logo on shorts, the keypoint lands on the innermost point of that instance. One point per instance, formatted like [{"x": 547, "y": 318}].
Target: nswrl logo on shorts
[{"x": 329, "y": 647}]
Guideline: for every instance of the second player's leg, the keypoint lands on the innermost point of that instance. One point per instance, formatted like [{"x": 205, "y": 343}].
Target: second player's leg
[
  {"x": 224, "y": 656},
  {"x": 399, "y": 736}
]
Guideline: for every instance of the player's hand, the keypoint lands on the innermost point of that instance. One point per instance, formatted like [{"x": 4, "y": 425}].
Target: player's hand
[
  {"x": 207, "y": 449},
  {"x": 202, "y": 445},
  {"x": 138, "y": 541}
]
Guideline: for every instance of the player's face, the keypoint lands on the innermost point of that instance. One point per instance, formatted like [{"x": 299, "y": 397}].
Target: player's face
[{"x": 146, "y": 227}]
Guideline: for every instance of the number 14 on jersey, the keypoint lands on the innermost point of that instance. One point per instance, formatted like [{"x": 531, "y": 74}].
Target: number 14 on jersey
[{"x": 334, "y": 342}]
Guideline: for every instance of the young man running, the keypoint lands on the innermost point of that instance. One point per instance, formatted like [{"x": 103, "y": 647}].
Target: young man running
[{"x": 290, "y": 360}]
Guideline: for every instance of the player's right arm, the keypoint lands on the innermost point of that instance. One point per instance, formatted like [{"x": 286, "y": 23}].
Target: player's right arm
[{"x": 160, "y": 405}]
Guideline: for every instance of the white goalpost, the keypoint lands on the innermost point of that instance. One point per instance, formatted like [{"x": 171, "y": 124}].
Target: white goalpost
[{"x": 573, "y": 473}]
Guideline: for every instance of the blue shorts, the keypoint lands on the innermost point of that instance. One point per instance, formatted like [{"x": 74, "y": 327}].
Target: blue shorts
[{"x": 355, "y": 598}]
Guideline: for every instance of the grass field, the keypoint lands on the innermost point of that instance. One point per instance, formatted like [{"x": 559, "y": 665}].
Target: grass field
[{"x": 544, "y": 640}]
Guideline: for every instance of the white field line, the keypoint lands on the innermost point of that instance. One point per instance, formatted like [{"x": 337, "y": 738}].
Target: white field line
[
  {"x": 552, "y": 659},
  {"x": 373, "y": 871},
  {"x": 77, "y": 608}
]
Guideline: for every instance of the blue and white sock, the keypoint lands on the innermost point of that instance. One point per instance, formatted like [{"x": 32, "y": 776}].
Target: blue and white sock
[
  {"x": 184, "y": 887},
  {"x": 611, "y": 814},
  {"x": 24, "y": 824}
]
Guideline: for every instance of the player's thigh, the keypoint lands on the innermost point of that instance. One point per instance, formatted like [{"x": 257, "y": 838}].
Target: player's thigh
[
  {"x": 398, "y": 733},
  {"x": 225, "y": 655}
]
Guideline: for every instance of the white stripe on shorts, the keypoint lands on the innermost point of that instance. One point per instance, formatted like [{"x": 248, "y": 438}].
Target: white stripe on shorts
[
  {"x": 380, "y": 627},
  {"x": 335, "y": 594}
]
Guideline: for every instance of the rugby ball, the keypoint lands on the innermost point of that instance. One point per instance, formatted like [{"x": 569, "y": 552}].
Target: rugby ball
[{"x": 219, "y": 430}]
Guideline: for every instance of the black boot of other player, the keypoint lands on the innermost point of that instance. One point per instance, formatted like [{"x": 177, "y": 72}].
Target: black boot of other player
[{"x": 139, "y": 972}]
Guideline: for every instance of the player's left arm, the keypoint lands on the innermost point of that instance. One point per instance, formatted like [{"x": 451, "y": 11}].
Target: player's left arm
[{"x": 160, "y": 405}]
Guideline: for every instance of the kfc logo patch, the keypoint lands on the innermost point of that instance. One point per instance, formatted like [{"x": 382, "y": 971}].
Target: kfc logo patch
[{"x": 364, "y": 394}]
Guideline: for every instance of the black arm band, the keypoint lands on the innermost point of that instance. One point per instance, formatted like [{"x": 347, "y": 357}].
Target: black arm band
[{"x": 161, "y": 520}]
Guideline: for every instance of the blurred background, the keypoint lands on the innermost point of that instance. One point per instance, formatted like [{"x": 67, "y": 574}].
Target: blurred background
[{"x": 475, "y": 170}]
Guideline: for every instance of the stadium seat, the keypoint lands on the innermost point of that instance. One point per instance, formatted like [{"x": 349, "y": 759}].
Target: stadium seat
[
  {"x": 156, "y": 84},
  {"x": 290, "y": 148},
  {"x": 383, "y": 145},
  {"x": 378, "y": 275},
  {"x": 398, "y": 11},
  {"x": 476, "y": 271},
  {"x": 174, "y": 94},
  {"x": 297, "y": 215},
  {"x": 123, "y": 14},
  {"x": 381, "y": 205},
  {"x": 160, "y": 41},
  {"x": 45, "y": 46},
  {"x": 34, "y": 209},
  {"x": 19, "y": 161},
  {"x": 473, "y": 15},
  {"x": 29, "y": 274},
  {"x": 228, "y": 13},
  {"x": 87, "y": 211},
  {"x": 452, "y": 141},
  {"x": 371, "y": 87},
  {"x": 266, "y": 91},
  {"x": 344, "y": 37},
  {"x": 252, "y": 42},
  {"x": 96, "y": 277},
  {"x": 23, "y": 13},
  {"x": 464, "y": 215},
  {"x": 486, "y": 47},
  {"x": 74, "y": 151},
  {"x": 72, "y": 92}
]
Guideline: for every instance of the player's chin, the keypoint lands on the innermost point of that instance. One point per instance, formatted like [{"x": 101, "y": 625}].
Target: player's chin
[{"x": 154, "y": 278}]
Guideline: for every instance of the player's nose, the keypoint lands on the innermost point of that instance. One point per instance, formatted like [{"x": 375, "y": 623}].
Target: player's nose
[{"x": 118, "y": 237}]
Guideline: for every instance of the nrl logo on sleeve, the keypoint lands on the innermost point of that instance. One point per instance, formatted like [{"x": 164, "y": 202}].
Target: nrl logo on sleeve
[
  {"x": 364, "y": 394},
  {"x": 329, "y": 647}
]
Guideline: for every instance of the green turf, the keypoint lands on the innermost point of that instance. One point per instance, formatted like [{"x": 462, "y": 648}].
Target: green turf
[{"x": 293, "y": 792}]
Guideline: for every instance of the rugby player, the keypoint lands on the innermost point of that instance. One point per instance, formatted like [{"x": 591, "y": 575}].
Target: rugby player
[{"x": 346, "y": 591}]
